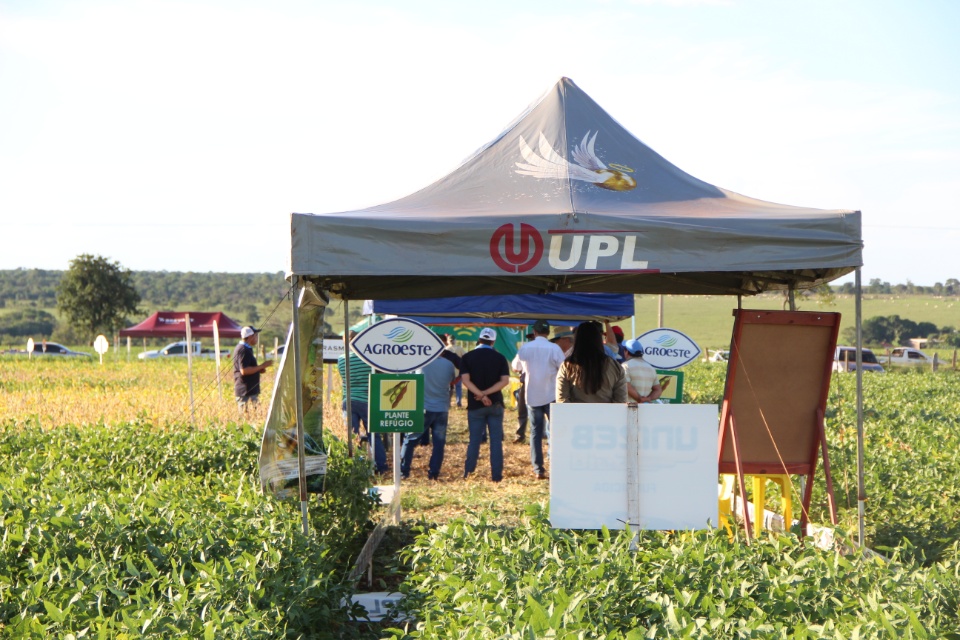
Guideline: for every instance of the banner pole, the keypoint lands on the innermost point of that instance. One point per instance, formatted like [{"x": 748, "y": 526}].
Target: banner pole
[
  {"x": 216, "y": 351},
  {"x": 298, "y": 389}
]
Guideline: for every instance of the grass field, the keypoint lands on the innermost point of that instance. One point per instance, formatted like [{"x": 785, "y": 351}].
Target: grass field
[{"x": 709, "y": 319}]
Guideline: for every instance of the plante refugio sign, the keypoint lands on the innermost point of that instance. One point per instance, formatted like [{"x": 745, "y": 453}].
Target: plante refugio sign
[{"x": 396, "y": 403}]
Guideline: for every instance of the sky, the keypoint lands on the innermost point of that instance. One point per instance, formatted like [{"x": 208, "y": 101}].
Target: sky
[{"x": 179, "y": 136}]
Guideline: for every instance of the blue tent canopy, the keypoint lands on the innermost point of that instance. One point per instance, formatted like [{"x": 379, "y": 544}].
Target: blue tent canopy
[{"x": 520, "y": 309}]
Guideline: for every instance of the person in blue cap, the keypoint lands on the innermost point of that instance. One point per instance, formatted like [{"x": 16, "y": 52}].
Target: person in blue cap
[{"x": 643, "y": 384}]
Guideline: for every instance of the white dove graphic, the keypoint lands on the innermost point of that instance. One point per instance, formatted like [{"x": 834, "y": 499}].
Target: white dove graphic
[{"x": 588, "y": 168}]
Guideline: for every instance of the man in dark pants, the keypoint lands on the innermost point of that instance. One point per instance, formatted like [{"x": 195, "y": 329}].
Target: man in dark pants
[
  {"x": 520, "y": 396},
  {"x": 485, "y": 372},
  {"x": 246, "y": 371}
]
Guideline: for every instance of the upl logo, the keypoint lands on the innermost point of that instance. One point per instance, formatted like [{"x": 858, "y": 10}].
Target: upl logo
[
  {"x": 516, "y": 255},
  {"x": 568, "y": 251}
]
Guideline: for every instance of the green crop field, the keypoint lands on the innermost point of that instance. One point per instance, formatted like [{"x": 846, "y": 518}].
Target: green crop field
[{"x": 124, "y": 517}]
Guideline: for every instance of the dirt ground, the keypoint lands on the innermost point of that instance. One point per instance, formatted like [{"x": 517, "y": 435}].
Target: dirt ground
[{"x": 452, "y": 496}]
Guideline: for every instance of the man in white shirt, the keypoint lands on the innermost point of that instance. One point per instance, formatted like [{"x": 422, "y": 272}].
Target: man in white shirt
[{"x": 539, "y": 360}]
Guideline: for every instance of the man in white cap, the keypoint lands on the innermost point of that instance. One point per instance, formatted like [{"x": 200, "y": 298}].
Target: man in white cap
[
  {"x": 485, "y": 372},
  {"x": 246, "y": 371}
]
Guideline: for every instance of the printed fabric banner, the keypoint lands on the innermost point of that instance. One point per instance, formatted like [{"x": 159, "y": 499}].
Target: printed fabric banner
[{"x": 279, "y": 468}]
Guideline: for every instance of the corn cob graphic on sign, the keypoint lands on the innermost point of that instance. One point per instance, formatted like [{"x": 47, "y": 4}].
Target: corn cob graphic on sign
[
  {"x": 396, "y": 403},
  {"x": 671, "y": 382}
]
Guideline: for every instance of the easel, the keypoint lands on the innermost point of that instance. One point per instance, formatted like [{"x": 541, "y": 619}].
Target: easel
[{"x": 778, "y": 380}]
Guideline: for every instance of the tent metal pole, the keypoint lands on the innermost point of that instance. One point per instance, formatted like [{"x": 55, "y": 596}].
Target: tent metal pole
[
  {"x": 298, "y": 390},
  {"x": 861, "y": 488},
  {"x": 660, "y": 311},
  {"x": 348, "y": 410}
]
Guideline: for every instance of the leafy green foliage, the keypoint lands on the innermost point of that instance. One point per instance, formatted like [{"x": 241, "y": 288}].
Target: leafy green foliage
[
  {"x": 891, "y": 330},
  {"x": 912, "y": 463},
  {"x": 481, "y": 580},
  {"x": 128, "y": 531},
  {"x": 27, "y": 322},
  {"x": 96, "y": 295}
]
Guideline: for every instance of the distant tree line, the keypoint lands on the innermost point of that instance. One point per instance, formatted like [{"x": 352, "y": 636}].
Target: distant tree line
[
  {"x": 169, "y": 289},
  {"x": 951, "y": 287},
  {"x": 29, "y": 299},
  {"x": 896, "y": 331}
]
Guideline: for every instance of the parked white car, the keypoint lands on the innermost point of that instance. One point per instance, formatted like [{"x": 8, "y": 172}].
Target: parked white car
[
  {"x": 905, "y": 356},
  {"x": 53, "y": 349},
  {"x": 845, "y": 359},
  {"x": 179, "y": 350}
]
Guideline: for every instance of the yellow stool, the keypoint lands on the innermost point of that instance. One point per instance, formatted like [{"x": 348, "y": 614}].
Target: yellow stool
[
  {"x": 759, "y": 500},
  {"x": 725, "y": 491},
  {"x": 728, "y": 481}
]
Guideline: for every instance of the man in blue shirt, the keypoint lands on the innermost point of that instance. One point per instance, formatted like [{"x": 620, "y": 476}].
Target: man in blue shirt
[{"x": 437, "y": 377}]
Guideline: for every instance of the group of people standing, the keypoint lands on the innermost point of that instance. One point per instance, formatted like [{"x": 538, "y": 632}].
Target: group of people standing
[{"x": 588, "y": 364}]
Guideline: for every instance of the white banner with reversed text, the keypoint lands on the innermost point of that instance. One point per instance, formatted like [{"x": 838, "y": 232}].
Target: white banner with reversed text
[{"x": 675, "y": 470}]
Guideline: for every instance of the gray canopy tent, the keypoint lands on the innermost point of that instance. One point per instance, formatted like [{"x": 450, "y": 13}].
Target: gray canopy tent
[{"x": 565, "y": 199}]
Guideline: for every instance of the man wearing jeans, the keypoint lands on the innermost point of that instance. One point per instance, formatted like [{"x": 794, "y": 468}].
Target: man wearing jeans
[
  {"x": 437, "y": 377},
  {"x": 485, "y": 372},
  {"x": 539, "y": 360}
]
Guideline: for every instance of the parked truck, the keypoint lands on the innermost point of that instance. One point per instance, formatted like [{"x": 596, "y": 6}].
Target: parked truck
[
  {"x": 906, "y": 356},
  {"x": 845, "y": 359},
  {"x": 179, "y": 350}
]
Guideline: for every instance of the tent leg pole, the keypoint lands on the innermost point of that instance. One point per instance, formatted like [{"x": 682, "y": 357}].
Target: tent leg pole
[
  {"x": 298, "y": 387},
  {"x": 347, "y": 409},
  {"x": 861, "y": 488}
]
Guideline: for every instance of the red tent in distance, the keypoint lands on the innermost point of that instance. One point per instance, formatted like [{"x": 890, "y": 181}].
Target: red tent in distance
[{"x": 170, "y": 324}]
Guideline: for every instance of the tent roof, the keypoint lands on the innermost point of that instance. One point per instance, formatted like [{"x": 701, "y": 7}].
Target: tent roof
[
  {"x": 171, "y": 324},
  {"x": 566, "y": 199},
  {"x": 559, "y": 308}
]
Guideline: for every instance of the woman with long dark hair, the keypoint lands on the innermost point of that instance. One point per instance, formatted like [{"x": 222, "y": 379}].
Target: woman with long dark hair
[{"x": 589, "y": 374}]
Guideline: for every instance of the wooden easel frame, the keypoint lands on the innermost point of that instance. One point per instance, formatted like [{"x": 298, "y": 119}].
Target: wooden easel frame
[{"x": 774, "y": 402}]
